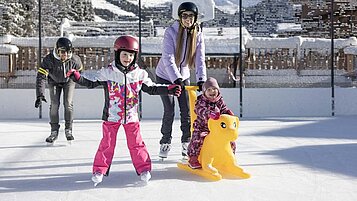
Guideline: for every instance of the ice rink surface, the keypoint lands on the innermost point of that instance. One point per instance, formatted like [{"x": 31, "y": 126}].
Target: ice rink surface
[{"x": 295, "y": 159}]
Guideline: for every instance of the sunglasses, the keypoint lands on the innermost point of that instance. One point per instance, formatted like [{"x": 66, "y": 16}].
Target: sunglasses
[{"x": 185, "y": 16}]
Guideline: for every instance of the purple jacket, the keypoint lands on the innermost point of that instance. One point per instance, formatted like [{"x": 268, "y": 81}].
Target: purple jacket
[{"x": 167, "y": 68}]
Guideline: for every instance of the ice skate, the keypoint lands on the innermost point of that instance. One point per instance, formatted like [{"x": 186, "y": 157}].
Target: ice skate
[
  {"x": 144, "y": 177},
  {"x": 184, "y": 146},
  {"x": 164, "y": 151},
  {"x": 52, "y": 138},
  {"x": 69, "y": 136},
  {"x": 97, "y": 178}
]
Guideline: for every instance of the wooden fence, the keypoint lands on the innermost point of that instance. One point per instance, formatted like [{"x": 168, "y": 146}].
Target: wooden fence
[
  {"x": 254, "y": 59},
  {"x": 224, "y": 67},
  {"x": 96, "y": 58}
]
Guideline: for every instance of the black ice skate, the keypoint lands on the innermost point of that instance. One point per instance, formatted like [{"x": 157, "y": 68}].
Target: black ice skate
[
  {"x": 69, "y": 136},
  {"x": 164, "y": 151},
  {"x": 52, "y": 138}
]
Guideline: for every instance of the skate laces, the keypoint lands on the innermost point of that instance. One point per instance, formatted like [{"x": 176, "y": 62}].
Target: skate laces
[
  {"x": 68, "y": 131},
  {"x": 165, "y": 147},
  {"x": 184, "y": 148},
  {"x": 54, "y": 133}
]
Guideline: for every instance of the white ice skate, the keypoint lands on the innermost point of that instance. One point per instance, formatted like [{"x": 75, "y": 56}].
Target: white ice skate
[
  {"x": 97, "y": 178},
  {"x": 164, "y": 151},
  {"x": 145, "y": 177},
  {"x": 184, "y": 151}
]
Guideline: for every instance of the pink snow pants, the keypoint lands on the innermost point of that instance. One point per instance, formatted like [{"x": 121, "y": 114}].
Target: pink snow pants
[{"x": 138, "y": 152}]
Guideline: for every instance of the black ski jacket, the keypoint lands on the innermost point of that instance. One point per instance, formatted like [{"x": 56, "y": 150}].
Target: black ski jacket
[{"x": 55, "y": 70}]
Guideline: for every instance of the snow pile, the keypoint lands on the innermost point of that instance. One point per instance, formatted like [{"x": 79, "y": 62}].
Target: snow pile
[{"x": 102, "y": 4}]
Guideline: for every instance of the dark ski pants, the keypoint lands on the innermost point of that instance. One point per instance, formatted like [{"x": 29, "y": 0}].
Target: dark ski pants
[
  {"x": 55, "y": 95},
  {"x": 169, "y": 114}
]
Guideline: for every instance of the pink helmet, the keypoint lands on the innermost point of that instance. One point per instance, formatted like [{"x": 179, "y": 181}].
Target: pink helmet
[
  {"x": 128, "y": 43},
  {"x": 125, "y": 43}
]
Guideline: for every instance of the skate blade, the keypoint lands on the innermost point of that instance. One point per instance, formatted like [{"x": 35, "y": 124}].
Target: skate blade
[
  {"x": 50, "y": 144},
  {"x": 96, "y": 184},
  {"x": 161, "y": 159},
  {"x": 184, "y": 160},
  {"x": 69, "y": 142},
  {"x": 141, "y": 183}
]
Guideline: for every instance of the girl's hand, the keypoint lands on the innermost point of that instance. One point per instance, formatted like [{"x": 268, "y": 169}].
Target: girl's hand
[
  {"x": 174, "y": 89},
  {"x": 73, "y": 74},
  {"x": 214, "y": 115}
]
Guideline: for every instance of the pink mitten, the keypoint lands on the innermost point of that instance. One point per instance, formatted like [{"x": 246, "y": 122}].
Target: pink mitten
[
  {"x": 174, "y": 89},
  {"x": 214, "y": 115},
  {"x": 75, "y": 74}
]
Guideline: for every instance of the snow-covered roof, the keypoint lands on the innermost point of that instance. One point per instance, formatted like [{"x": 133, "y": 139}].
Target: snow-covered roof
[
  {"x": 8, "y": 49},
  {"x": 282, "y": 27},
  {"x": 351, "y": 50},
  {"x": 5, "y": 39},
  {"x": 149, "y": 3},
  {"x": 217, "y": 40},
  {"x": 263, "y": 42},
  {"x": 227, "y": 42},
  {"x": 297, "y": 41},
  {"x": 322, "y": 43},
  {"x": 102, "y": 4}
]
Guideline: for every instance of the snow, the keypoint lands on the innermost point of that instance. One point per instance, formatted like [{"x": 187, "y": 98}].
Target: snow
[
  {"x": 282, "y": 27},
  {"x": 102, "y": 4},
  {"x": 227, "y": 6},
  {"x": 213, "y": 41},
  {"x": 298, "y": 41},
  {"x": 8, "y": 49},
  {"x": 307, "y": 158},
  {"x": 149, "y": 3}
]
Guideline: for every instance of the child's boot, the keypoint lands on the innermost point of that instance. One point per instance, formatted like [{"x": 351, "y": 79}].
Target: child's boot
[{"x": 194, "y": 163}]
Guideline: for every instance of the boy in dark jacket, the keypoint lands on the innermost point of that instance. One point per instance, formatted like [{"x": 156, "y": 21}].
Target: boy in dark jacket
[{"x": 54, "y": 68}]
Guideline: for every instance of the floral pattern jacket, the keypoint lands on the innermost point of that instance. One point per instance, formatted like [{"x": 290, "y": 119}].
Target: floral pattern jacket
[{"x": 204, "y": 108}]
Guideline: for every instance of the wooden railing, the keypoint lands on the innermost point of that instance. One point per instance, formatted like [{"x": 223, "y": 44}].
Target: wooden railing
[
  {"x": 268, "y": 59},
  {"x": 254, "y": 59},
  {"x": 96, "y": 58},
  {"x": 224, "y": 67}
]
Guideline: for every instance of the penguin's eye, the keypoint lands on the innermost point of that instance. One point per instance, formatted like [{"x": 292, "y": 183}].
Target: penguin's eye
[
  {"x": 235, "y": 124},
  {"x": 223, "y": 125}
]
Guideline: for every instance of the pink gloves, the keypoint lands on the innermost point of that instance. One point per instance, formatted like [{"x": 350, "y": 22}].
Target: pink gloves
[
  {"x": 75, "y": 73},
  {"x": 215, "y": 114},
  {"x": 174, "y": 89}
]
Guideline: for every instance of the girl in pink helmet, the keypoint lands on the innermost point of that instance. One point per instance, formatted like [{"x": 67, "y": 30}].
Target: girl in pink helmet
[{"x": 122, "y": 81}]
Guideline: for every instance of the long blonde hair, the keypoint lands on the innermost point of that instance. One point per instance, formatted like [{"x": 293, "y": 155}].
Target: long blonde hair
[{"x": 192, "y": 44}]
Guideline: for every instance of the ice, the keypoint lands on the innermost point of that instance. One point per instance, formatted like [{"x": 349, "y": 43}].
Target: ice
[{"x": 305, "y": 158}]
